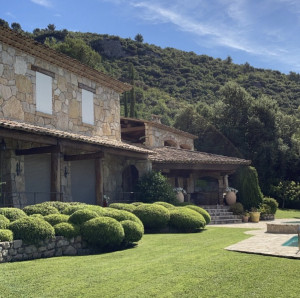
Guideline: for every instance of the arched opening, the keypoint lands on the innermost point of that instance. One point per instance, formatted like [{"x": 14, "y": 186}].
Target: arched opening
[{"x": 170, "y": 143}]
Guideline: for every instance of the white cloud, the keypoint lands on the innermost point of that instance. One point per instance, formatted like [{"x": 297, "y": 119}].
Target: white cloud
[
  {"x": 9, "y": 14},
  {"x": 44, "y": 3}
]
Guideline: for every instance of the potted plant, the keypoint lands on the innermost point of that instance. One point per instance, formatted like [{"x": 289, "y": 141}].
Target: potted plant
[
  {"x": 180, "y": 192},
  {"x": 245, "y": 216},
  {"x": 230, "y": 195},
  {"x": 254, "y": 215}
]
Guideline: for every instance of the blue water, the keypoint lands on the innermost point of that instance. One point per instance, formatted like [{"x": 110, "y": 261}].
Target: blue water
[{"x": 291, "y": 242}]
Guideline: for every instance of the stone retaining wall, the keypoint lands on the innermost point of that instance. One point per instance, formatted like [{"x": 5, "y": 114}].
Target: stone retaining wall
[{"x": 58, "y": 246}]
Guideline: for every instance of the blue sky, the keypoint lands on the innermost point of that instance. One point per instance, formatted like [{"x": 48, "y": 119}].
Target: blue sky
[{"x": 264, "y": 33}]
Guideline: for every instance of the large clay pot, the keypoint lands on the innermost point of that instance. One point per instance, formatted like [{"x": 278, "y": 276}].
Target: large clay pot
[
  {"x": 230, "y": 198},
  {"x": 254, "y": 216},
  {"x": 180, "y": 197}
]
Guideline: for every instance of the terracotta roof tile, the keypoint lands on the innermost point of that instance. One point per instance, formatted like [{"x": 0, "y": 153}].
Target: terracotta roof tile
[
  {"x": 20, "y": 126},
  {"x": 182, "y": 156}
]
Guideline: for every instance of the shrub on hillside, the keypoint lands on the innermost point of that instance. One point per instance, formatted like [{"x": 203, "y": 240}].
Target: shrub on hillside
[
  {"x": 81, "y": 216},
  {"x": 123, "y": 206},
  {"x": 12, "y": 213},
  {"x": 272, "y": 203},
  {"x": 67, "y": 230},
  {"x": 153, "y": 216},
  {"x": 165, "y": 204},
  {"x": 55, "y": 219},
  {"x": 237, "y": 209},
  {"x": 133, "y": 231},
  {"x": 31, "y": 229},
  {"x": 4, "y": 222},
  {"x": 42, "y": 209},
  {"x": 154, "y": 187},
  {"x": 202, "y": 211},
  {"x": 103, "y": 232},
  {"x": 186, "y": 220},
  {"x": 6, "y": 235}
]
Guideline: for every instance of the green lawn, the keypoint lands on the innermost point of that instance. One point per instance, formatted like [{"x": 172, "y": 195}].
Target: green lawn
[
  {"x": 287, "y": 213},
  {"x": 162, "y": 265}
]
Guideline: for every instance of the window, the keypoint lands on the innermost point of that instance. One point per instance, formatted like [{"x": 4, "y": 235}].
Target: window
[
  {"x": 87, "y": 107},
  {"x": 43, "y": 93}
]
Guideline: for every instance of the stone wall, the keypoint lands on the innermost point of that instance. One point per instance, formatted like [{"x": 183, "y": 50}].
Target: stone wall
[
  {"x": 18, "y": 102},
  {"x": 155, "y": 137},
  {"x": 58, "y": 246}
]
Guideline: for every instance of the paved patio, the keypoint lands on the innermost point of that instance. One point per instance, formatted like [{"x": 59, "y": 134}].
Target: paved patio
[{"x": 263, "y": 243}]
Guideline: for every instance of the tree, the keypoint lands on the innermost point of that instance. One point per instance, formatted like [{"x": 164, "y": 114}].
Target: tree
[
  {"x": 4, "y": 23},
  {"x": 16, "y": 27},
  {"x": 51, "y": 27},
  {"x": 139, "y": 38}
]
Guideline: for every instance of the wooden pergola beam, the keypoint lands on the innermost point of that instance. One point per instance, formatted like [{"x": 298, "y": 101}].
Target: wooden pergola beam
[
  {"x": 95, "y": 155},
  {"x": 37, "y": 150}
]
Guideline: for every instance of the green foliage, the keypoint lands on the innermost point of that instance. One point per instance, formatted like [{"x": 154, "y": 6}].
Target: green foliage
[
  {"x": 237, "y": 208},
  {"x": 81, "y": 216},
  {"x": 31, "y": 229},
  {"x": 153, "y": 186},
  {"x": 73, "y": 208},
  {"x": 133, "y": 231},
  {"x": 54, "y": 219},
  {"x": 42, "y": 209},
  {"x": 60, "y": 206},
  {"x": 246, "y": 181},
  {"x": 123, "y": 206},
  {"x": 6, "y": 235},
  {"x": 272, "y": 203},
  {"x": 264, "y": 209},
  {"x": 287, "y": 193},
  {"x": 186, "y": 220},
  {"x": 12, "y": 213},
  {"x": 153, "y": 216},
  {"x": 202, "y": 211},
  {"x": 121, "y": 215},
  {"x": 165, "y": 204},
  {"x": 103, "y": 232},
  {"x": 67, "y": 230},
  {"x": 4, "y": 222}
]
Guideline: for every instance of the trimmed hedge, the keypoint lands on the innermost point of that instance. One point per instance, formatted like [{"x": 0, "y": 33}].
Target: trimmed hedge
[
  {"x": 186, "y": 220},
  {"x": 98, "y": 209},
  {"x": 202, "y": 211},
  {"x": 133, "y": 231},
  {"x": 67, "y": 230},
  {"x": 153, "y": 216},
  {"x": 54, "y": 219},
  {"x": 60, "y": 206},
  {"x": 272, "y": 203},
  {"x": 103, "y": 232},
  {"x": 165, "y": 204},
  {"x": 42, "y": 209},
  {"x": 6, "y": 235},
  {"x": 73, "y": 208},
  {"x": 12, "y": 213},
  {"x": 81, "y": 216},
  {"x": 121, "y": 215},
  {"x": 4, "y": 222},
  {"x": 123, "y": 206},
  {"x": 31, "y": 229},
  {"x": 236, "y": 208}
]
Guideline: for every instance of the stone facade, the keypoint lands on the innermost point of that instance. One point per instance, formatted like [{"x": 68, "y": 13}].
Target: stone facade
[
  {"x": 18, "y": 97},
  {"x": 58, "y": 246},
  {"x": 156, "y": 137}
]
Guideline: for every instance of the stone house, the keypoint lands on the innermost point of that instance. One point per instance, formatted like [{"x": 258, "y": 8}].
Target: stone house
[{"x": 60, "y": 135}]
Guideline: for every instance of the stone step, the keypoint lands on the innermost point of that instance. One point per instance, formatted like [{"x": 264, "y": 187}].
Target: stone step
[
  {"x": 225, "y": 221},
  {"x": 226, "y": 217}
]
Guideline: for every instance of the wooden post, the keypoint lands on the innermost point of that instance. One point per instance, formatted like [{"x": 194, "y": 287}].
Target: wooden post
[
  {"x": 55, "y": 176},
  {"x": 99, "y": 182}
]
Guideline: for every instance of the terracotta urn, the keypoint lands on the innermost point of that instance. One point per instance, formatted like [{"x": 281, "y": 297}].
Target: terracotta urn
[{"x": 230, "y": 198}]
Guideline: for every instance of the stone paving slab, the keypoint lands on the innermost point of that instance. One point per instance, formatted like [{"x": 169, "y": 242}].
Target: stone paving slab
[{"x": 263, "y": 243}]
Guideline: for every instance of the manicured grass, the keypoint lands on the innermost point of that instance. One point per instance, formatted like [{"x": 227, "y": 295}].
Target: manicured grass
[
  {"x": 163, "y": 265},
  {"x": 287, "y": 213}
]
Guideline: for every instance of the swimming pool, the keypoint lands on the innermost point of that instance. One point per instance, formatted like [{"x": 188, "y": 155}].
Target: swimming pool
[{"x": 292, "y": 242}]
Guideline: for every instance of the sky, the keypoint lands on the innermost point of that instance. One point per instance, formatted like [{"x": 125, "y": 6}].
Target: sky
[{"x": 264, "y": 33}]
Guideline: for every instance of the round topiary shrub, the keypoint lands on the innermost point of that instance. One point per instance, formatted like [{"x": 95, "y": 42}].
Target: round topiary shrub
[
  {"x": 31, "y": 229},
  {"x": 73, "y": 208},
  {"x": 81, "y": 216},
  {"x": 123, "y": 206},
  {"x": 6, "y": 235},
  {"x": 12, "y": 213},
  {"x": 186, "y": 220},
  {"x": 153, "y": 216},
  {"x": 236, "y": 209},
  {"x": 272, "y": 203},
  {"x": 42, "y": 209},
  {"x": 103, "y": 232},
  {"x": 121, "y": 215},
  {"x": 37, "y": 215},
  {"x": 4, "y": 222},
  {"x": 60, "y": 206},
  {"x": 133, "y": 231},
  {"x": 55, "y": 219},
  {"x": 202, "y": 211},
  {"x": 98, "y": 209},
  {"x": 67, "y": 230},
  {"x": 137, "y": 203},
  {"x": 165, "y": 204}
]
